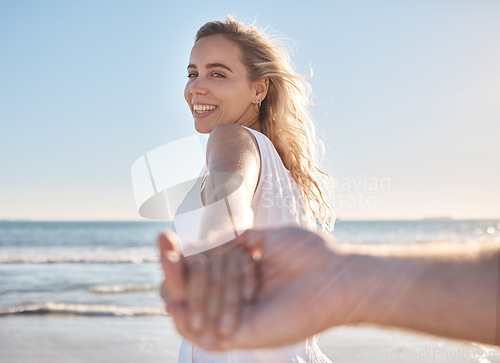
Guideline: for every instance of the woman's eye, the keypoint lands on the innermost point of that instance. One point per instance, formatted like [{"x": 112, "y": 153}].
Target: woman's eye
[
  {"x": 192, "y": 75},
  {"x": 218, "y": 75}
]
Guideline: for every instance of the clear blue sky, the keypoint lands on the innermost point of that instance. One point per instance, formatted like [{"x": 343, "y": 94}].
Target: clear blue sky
[{"x": 408, "y": 96}]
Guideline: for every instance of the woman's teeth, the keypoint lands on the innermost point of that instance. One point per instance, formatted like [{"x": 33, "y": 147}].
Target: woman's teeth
[{"x": 203, "y": 108}]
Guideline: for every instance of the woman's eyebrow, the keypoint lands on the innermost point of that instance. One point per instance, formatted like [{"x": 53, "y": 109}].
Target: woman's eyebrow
[
  {"x": 212, "y": 65},
  {"x": 218, "y": 65}
]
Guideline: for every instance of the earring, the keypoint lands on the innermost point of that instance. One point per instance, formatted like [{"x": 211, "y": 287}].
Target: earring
[{"x": 258, "y": 104}]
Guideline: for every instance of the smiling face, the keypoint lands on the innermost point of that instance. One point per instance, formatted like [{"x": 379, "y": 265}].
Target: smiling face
[{"x": 218, "y": 90}]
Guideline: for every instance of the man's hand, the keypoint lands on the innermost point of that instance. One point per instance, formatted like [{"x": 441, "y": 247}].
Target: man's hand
[
  {"x": 293, "y": 300},
  {"x": 209, "y": 286},
  {"x": 307, "y": 286}
]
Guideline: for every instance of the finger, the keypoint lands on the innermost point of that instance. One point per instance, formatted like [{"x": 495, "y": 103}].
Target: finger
[
  {"x": 172, "y": 264},
  {"x": 252, "y": 241},
  {"x": 245, "y": 335},
  {"x": 207, "y": 340},
  {"x": 169, "y": 241},
  {"x": 168, "y": 301},
  {"x": 230, "y": 296},
  {"x": 163, "y": 292},
  {"x": 215, "y": 288},
  {"x": 180, "y": 315},
  {"x": 248, "y": 277},
  {"x": 197, "y": 270}
]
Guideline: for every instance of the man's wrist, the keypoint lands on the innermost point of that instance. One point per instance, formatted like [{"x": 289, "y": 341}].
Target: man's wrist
[{"x": 358, "y": 285}]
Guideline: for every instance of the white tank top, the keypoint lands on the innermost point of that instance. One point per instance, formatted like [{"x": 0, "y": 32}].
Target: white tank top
[{"x": 276, "y": 203}]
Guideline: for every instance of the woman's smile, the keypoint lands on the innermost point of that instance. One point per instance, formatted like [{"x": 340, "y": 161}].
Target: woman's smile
[
  {"x": 203, "y": 110},
  {"x": 219, "y": 90},
  {"x": 200, "y": 109}
]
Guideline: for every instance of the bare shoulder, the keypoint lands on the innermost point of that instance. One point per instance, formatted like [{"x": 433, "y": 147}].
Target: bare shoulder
[
  {"x": 232, "y": 148},
  {"x": 233, "y": 136}
]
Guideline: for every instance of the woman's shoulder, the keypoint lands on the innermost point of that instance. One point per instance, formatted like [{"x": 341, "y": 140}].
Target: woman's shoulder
[
  {"x": 231, "y": 138},
  {"x": 231, "y": 148}
]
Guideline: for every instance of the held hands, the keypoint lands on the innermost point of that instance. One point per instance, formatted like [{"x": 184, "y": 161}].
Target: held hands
[
  {"x": 214, "y": 301},
  {"x": 203, "y": 292}
]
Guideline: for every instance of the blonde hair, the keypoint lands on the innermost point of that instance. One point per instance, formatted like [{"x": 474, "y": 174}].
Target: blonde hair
[{"x": 283, "y": 114}]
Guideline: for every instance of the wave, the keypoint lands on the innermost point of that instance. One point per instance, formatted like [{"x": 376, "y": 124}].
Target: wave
[
  {"x": 84, "y": 309},
  {"x": 119, "y": 289},
  {"x": 72, "y": 255}
]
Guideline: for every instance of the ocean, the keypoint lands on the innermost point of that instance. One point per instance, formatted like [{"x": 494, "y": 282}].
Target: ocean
[
  {"x": 83, "y": 268},
  {"x": 109, "y": 270}
]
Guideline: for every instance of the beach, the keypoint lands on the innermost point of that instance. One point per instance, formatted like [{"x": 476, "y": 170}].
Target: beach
[
  {"x": 53, "y": 338},
  {"x": 56, "y": 338},
  {"x": 88, "y": 292}
]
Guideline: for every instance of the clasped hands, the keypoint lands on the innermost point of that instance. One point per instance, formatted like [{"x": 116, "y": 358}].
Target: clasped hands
[
  {"x": 203, "y": 292},
  {"x": 265, "y": 288}
]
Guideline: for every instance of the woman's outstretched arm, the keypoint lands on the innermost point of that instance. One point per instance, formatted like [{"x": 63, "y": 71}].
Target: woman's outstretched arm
[
  {"x": 216, "y": 276},
  {"x": 233, "y": 166}
]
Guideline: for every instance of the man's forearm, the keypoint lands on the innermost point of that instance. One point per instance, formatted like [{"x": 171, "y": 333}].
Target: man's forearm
[{"x": 442, "y": 289}]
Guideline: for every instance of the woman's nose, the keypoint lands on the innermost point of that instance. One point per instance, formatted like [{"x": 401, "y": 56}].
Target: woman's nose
[{"x": 197, "y": 86}]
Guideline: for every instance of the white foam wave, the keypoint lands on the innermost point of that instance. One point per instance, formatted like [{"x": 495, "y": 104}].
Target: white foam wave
[
  {"x": 77, "y": 255},
  {"x": 118, "y": 289},
  {"x": 84, "y": 309}
]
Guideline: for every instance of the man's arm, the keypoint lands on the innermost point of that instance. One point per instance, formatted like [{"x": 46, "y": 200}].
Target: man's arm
[
  {"x": 309, "y": 284},
  {"x": 439, "y": 288}
]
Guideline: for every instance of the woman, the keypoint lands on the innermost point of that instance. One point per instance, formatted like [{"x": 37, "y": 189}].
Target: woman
[{"x": 242, "y": 90}]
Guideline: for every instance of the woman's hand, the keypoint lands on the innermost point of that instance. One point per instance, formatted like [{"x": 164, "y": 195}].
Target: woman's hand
[
  {"x": 172, "y": 289},
  {"x": 211, "y": 286},
  {"x": 302, "y": 291}
]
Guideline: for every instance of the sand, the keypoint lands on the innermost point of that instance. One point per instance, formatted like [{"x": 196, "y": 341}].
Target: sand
[
  {"x": 58, "y": 338},
  {"x": 53, "y": 338}
]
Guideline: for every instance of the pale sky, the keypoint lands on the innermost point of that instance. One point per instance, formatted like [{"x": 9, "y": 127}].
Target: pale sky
[{"x": 407, "y": 95}]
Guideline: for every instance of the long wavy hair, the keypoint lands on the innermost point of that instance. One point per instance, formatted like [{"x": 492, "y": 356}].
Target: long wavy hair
[{"x": 284, "y": 116}]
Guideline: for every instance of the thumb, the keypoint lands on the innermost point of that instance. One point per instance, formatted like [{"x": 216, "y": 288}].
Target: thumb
[
  {"x": 251, "y": 240},
  {"x": 172, "y": 263}
]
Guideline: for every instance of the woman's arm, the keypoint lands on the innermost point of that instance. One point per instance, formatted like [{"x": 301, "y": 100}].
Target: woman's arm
[
  {"x": 231, "y": 150},
  {"x": 219, "y": 275},
  {"x": 233, "y": 166}
]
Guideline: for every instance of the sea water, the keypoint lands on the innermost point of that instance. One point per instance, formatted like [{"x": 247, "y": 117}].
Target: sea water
[
  {"x": 88, "y": 291},
  {"x": 83, "y": 268},
  {"x": 111, "y": 268}
]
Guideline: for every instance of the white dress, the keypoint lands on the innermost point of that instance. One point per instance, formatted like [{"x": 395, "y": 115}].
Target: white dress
[{"x": 276, "y": 202}]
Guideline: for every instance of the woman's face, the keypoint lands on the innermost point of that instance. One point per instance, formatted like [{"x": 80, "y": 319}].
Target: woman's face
[{"x": 218, "y": 90}]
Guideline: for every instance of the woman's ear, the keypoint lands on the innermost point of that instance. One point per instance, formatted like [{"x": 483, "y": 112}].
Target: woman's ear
[{"x": 261, "y": 87}]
